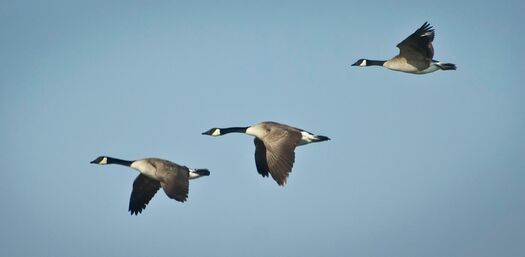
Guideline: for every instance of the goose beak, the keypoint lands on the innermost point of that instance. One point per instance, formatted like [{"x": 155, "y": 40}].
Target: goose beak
[
  {"x": 356, "y": 64},
  {"x": 93, "y": 161},
  {"x": 207, "y": 132}
]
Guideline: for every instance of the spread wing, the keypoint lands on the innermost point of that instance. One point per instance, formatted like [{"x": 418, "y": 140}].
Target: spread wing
[
  {"x": 144, "y": 189},
  {"x": 175, "y": 183},
  {"x": 419, "y": 44},
  {"x": 275, "y": 154}
]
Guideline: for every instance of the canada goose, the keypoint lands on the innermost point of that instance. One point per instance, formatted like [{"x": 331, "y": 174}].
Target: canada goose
[
  {"x": 155, "y": 173},
  {"x": 415, "y": 55},
  {"x": 274, "y": 146}
]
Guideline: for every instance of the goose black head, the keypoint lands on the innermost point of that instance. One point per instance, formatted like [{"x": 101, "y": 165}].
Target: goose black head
[
  {"x": 361, "y": 63},
  {"x": 214, "y": 132},
  {"x": 101, "y": 160}
]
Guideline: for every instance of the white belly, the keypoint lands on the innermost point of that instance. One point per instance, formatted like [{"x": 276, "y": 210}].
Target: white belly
[
  {"x": 404, "y": 66},
  {"x": 430, "y": 69}
]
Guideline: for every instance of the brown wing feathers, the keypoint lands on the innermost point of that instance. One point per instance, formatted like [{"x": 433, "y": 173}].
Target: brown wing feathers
[{"x": 275, "y": 154}]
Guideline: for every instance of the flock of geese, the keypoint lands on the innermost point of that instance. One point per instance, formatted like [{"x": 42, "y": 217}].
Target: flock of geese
[{"x": 275, "y": 143}]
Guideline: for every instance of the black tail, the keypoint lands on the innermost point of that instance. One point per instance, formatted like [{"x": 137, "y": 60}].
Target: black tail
[
  {"x": 201, "y": 172},
  {"x": 446, "y": 66},
  {"x": 321, "y": 138}
]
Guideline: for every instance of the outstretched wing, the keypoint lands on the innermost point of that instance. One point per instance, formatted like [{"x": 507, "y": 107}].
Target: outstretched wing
[
  {"x": 419, "y": 44},
  {"x": 144, "y": 189},
  {"x": 275, "y": 154},
  {"x": 175, "y": 182}
]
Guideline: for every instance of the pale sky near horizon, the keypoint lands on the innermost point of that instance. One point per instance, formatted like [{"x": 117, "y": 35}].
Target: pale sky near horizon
[{"x": 418, "y": 165}]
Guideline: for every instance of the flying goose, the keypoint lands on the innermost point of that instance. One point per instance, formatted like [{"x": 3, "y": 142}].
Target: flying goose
[
  {"x": 155, "y": 173},
  {"x": 415, "y": 55},
  {"x": 274, "y": 146}
]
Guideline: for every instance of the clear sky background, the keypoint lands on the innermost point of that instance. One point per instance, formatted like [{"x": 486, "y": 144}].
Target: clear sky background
[{"x": 418, "y": 165}]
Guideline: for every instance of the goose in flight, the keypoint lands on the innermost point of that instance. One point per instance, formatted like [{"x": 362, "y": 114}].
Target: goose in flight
[
  {"x": 274, "y": 146},
  {"x": 415, "y": 55},
  {"x": 154, "y": 174}
]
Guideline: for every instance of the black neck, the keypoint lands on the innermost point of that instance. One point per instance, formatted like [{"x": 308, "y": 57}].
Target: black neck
[
  {"x": 119, "y": 161},
  {"x": 374, "y": 63},
  {"x": 233, "y": 130}
]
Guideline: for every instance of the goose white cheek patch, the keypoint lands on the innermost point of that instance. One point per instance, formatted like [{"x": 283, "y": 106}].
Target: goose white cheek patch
[{"x": 216, "y": 132}]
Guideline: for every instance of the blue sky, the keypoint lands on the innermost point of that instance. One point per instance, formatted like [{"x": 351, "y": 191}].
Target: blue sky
[{"x": 429, "y": 165}]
